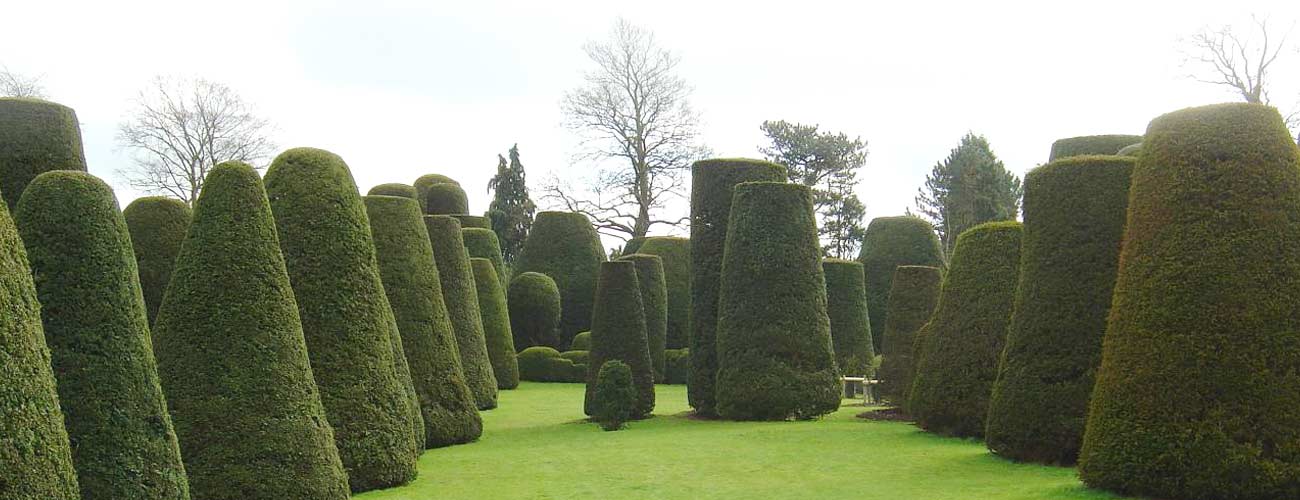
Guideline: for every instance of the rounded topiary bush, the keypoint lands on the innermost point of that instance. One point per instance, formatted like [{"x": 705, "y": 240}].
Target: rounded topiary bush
[
  {"x": 565, "y": 246},
  {"x": 393, "y": 189},
  {"x": 468, "y": 221},
  {"x": 349, "y": 326},
  {"x": 1091, "y": 145},
  {"x": 545, "y": 364},
  {"x": 891, "y": 242},
  {"x": 846, "y": 305},
  {"x": 496, "y": 324},
  {"x": 677, "y": 365},
  {"x": 35, "y": 137},
  {"x": 912, "y": 297},
  {"x": 482, "y": 244},
  {"x": 410, "y": 280},
  {"x": 614, "y": 399},
  {"x": 577, "y": 357},
  {"x": 445, "y": 199},
  {"x": 1074, "y": 213},
  {"x": 232, "y": 358},
  {"x": 676, "y": 254},
  {"x": 95, "y": 324},
  {"x": 961, "y": 345},
  {"x": 157, "y": 225},
  {"x": 461, "y": 297},
  {"x": 1197, "y": 396},
  {"x": 618, "y": 333},
  {"x": 582, "y": 341},
  {"x": 774, "y": 346},
  {"x": 654, "y": 303},
  {"x": 712, "y": 182},
  {"x": 534, "y": 303},
  {"x": 422, "y": 184},
  {"x": 35, "y": 458}
]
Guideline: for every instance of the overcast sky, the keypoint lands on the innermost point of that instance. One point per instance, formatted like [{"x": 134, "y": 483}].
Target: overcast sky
[{"x": 399, "y": 89}]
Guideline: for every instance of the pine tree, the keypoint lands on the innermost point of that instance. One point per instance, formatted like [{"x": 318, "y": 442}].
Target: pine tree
[
  {"x": 511, "y": 210},
  {"x": 969, "y": 187},
  {"x": 828, "y": 163}
]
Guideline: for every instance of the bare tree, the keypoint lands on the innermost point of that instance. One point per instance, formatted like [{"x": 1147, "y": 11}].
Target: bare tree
[
  {"x": 638, "y": 129},
  {"x": 16, "y": 85},
  {"x": 180, "y": 128},
  {"x": 1241, "y": 61}
]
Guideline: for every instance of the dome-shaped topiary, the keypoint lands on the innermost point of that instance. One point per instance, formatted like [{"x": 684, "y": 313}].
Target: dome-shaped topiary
[
  {"x": 35, "y": 458},
  {"x": 1091, "y": 145},
  {"x": 618, "y": 332},
  {"x": 35, "y": 137},
  {"x": 846, "y": 305},
  {"x": 461, "y": 296},
  {"x": 582, "y": 341},
  {"x": 232, "y": 358},
  {"x": 349, "y": 326},
  {"x": 774, "y": 346},
  {"x": 712, "y": 182},
  {"x": 496, "y": 324},
  {"x": 676, "y": 254},
  {"x": 534, "y": 303},
  {"x": 411, "y": 283},
  {"x": 912, "y": 297},
  {"x": 445, "y": 199},
  {"x": 1074, "y": 213},
  {"x": 545, "y": 364},
  {"x": 157, "y": 225},
  {"x": 565, "y": 246},
  {"x": 654, "y": 304},
  {"x": 393, "y": 189},
  {"x": 80, "y": 252},
  {"x": 961, "y": 345},
  {"x": 468, "y": 221},
  {"x": 891, "y": 242},
  {"x": 422, "y": 184},
  {"x": 482, "y": 244},
  {"x": 1197, "y": 396}
]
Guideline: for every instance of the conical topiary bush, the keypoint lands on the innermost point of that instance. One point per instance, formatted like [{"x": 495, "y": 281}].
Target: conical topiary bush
[
  {"x": 157, "y": 225},
  {"x": 846, "y": 305},
  {"x": 496, "y": 324},
  {"x": 422, "y": 184},
  {"x": 35, "y": 137},
  {"x": 654, "y": 304},
  {"x": 960, "y": 347},
  {"x": 712, "y": 182},
  {"x": 565, "y": 246},
  {"x": 410, "y": 279},
  {"x": 534, "y": 303},
  {"x": 35, "y": 458},
  {"x": 891, "y": 242},
  {"x": 94, "y": 317},
  {"x": 445, "y": 199},
  {"x": 912, "y": 297},
  {"x": 618, "y": 333},
  {"x": 467, "y": 221},
  {"x": 460, "y": 294},
  {"x": 393, "y": 189},
  {"x": 482, "y": 244},
  {"x": 676, "y": 255},
  {"x": 325, "y": 237},
  {"x": 1074, "y": 213},
  {"x": 1198, "y": 396},
  {"x": 232, "y": 358},
  {"x": 1091, "y": 145}
]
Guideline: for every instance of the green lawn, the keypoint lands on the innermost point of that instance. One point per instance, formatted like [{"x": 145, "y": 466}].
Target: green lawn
[{"x": 536, "y": 447}]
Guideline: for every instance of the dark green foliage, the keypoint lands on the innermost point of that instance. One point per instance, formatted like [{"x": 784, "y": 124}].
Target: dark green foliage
[
  {"x": 774, "y": 339},
  {"x": 461, "y": 297},
  {"x": 157, "y": 225},
  {"x": 712, "y": 182},
  {"x": 393, "y": 189},
  {"x": 961, "y": 345},
  {"x": 1074, "y": 221},
  {"x": 410, "y": 280},
  {"x": 677, "y": 365},
  {"x": 1091, "y": 145},
  {"x": 545, "y": 364},
  {"x": 35, "y": 459},
  {"x": 828, "y": 163},
  {"x": 577, "y": 357},
  {"x": 846, "y": 305},
  {"x": 654, "y": 303},
  {"x": 1198, "y": 396},
  {"x": 912, "y": 296},
  {"x": 676, "y": 254},
  {"x": 422, "y": 184},
  {"x": 564, "y": 246},
  {"x": 80, "y": 252},
  {"x": 496, "y": 323},
  {"x": 467, "y": 221},
  {"x": 511, "y": 209},
  {"x": 969, "y": 187},
  {"x": 1130, "y": 150},
  {"x": 618, "y": 333},
  {"x": 445, "y": 199},
  {"x": 36, "y": 136},
  {"x": 582, "y": 341},
  {"x": 892, "y": 242},
  {"x": 349, "y": 325},
  {"x": 482, "y": 243},
  {"x": 614, "y": 399},
  {"x": 534, "y": 303},
  {"x": 232, "y": 358},
  {"x": 633, "y": 245}
]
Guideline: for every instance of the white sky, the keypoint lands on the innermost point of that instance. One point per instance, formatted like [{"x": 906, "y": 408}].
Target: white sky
[{"x": 400, "y": 89}]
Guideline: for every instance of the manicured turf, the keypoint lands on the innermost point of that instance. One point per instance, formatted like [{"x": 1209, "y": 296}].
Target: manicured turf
[{"x": 536, "y": 446}]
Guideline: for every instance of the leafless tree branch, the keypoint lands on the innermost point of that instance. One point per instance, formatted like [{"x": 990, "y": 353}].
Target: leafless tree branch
[
  {"x": 16, "y": 85},
  {"x": 1239, "y": 60}
]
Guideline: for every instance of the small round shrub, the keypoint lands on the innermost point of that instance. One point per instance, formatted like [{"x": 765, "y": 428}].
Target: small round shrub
[
  {"x": 846, "y": 305},
  {"x": 461, "y": 297},
  {"x": 35, "y": 137},
  {"x": 891, "y": 242},
  {"x": 1091, "y": 145},
  {"x": 654, "y": 303},
  {"x": 677, "y": 365},
  {"x": 422, "y": 184},
  {"x": 468, "y": 221},
  {"x": 582, "y": 341},
  {"x": 496, "y": 324},
  {"x": 482, "y": 243},
  {"x": 393, "y": 189},
  {"x": 912, "y": 297},
  {"x": 445, "y": 199},
  {"x": 1130, "y": 150},
  {"x": 545, "y": 364},
  {"x": 614, "y": 399},
  {"x": 534, "y": 303},
  {"x": 157, "y": 225},
  {"x": 618, "y": 333},
  {"x": 676, "y": 254},
  {"x": 565, "y": 246}
]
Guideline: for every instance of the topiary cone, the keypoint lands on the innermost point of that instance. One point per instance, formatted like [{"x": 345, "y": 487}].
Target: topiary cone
[
  {"x": 534, "y": 310},
  {"x": 482, "y": 243},
  {"x": 496, "y": 324},
  {"x": 445, "y": 199},
  {"x": 461, "y": 296},
  {"x": 846, "y": 305},
  {"x": 891, "y": 242},
  {"x": 35, "y": 137},
  {"x": 654, "y": 304},
  {"x": 565, "y": 246},
  {"x": 912, "y": 297},
  {"x": 157, "y": 225},
  {"x": 467, "y": 221},
  {"x": 676, "y": 255},
  {"x": 1091, "y": 145},
  {"x": 422, "y": 184},
  {"x": 618, "y": 333},
  {"x": 393, "y": 189}
]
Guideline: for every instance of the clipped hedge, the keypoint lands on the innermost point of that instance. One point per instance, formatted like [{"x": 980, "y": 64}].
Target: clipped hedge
[
  {"x": 618, "y": 333},
  {"x": 410, "y": 280},
  {"x": 1197, "y": 396},
  {"x": 961, "y": 345},
  {"x": 654, "y": 304},
  {"x": 349, "y": 325},
  {"x": 157, "y": 225},
  {"x": 482, "y": 243},
  {"x": 582, "y": 341},
  {"x": 35, "y": 457},
  {"x": 534, "y": 303},
  {"x": 712, "y": 182},
  {"x": 677, "y": 365},
  {"x": 577, "y": 357},
  {"x": 912, "y": 297},
  {"x": 445, "y": 199},
  {"x": 774, "y": 347},
  {"x": 496, "y": 324},
  {"x": 1091, "y": 145},
  {"x": 461, "y": 296},
  {"x": 1130, "y": 150},
  {"x": 468, "y": 221},
  {"x": 614, "y": 399},
  {"x": 35, "y": 137},
  {"x": 676, "y": 254},
  {"x": 891, "y": 242},
  {"x": 393, "y": 189},
  {"x": 422, "y": 184},
  {"x": 1074, "y": 213},
  {"x": 846, "y": 305},
  {"x": 545, "y": 364},
  {"x": 232, "y": 358},
  {"x": 564, "y": 246}
]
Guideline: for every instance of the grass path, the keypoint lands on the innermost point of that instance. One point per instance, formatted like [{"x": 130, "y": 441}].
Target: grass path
[{"x": 536, "y": 447}]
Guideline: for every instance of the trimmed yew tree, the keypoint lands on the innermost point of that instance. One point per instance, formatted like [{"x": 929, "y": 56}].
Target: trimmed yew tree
[
  {"x": 496, "y": 324},
  {"x": 676, "y": 255},
  {"x": 422, "y": 184},
  {"x": 232, "y": 358},
  {"x": 912, "y": 297},
  {"x": 891, "y": 242},
  {"x": 654, "y": 304},
  {"x": 846, "y": 305},
  {"x": 468, "y": 221},
  {"x": 774, "y": 345},
  {"x": 35, "y": 137},
  {"x": 1091, "y": 145},
  {"x": 564, "y": 246},
  {"x": 445, "y": 199},
  {"x": 618, "y": 333},
  {"x": 157, "y": 225},
  {"x": 460, "y": 294},
  {"x": 534, "y": 303},
  {"x": 393, "y": 189},
  {"x": 482, "y": 244},
  {"x": 1198, "y": 395}
]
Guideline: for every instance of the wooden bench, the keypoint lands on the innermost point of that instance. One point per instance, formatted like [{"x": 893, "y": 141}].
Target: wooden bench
[{"x": 868, "y": 388}]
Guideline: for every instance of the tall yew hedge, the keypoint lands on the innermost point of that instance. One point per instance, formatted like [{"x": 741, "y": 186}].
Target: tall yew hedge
[
  {"x": 846, "y": 305},
  {"x": 676, "y": 255},
  {"x": 35, "y": 137},
  {"x": 534, "y": 303},
  {"x": 461, "y": 296},
  {"x": 393, "y": 189},
  {"x": 496, "y": 324},
  {"x": 422, "y": 184},
  {"x": 1091, "y": 145},
  {"x": 912, "y": 297},
  {"x": 891, "y": 242},
  {"x": 654, "y": 304},
  {"x": 157, "y": 225},
  {"x": 482, "y": 244},
  {"x": 618, "y": 333},
  {"x": 564, "y": 246}
]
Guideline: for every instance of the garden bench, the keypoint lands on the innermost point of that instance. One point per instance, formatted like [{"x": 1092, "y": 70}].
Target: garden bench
[{"x": 868, "y": 388}]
